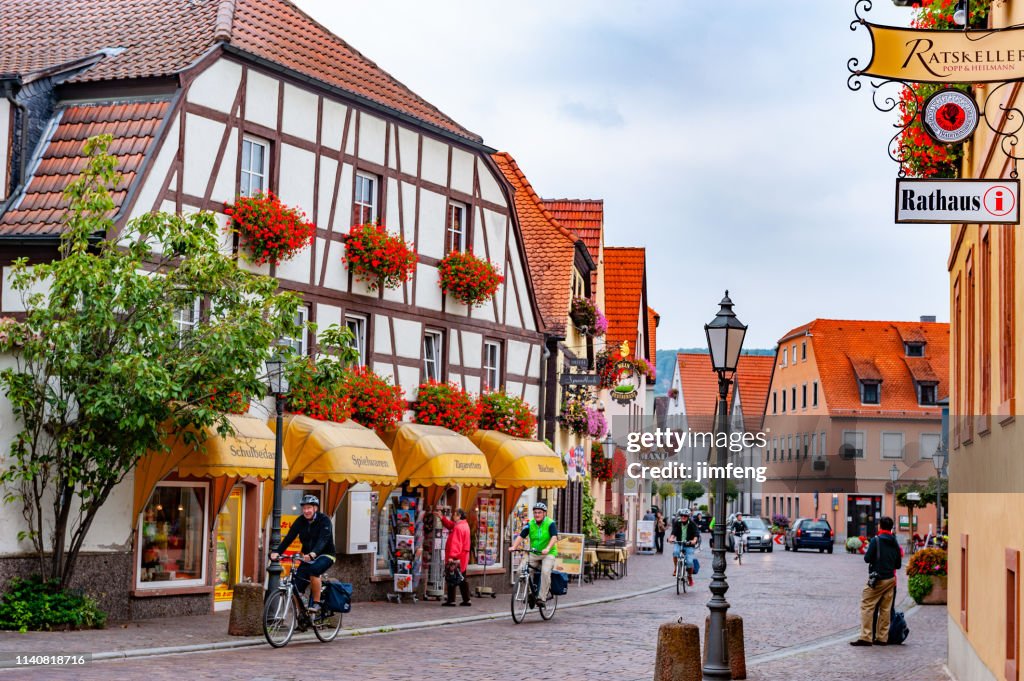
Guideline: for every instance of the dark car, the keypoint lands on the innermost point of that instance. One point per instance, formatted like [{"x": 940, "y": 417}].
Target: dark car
[
  {"x": 759, "y": 536},
  {"x": 808, "y": 533}
]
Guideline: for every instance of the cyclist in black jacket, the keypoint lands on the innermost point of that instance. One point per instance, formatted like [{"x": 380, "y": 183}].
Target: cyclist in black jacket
[{"x": 316, "y": 534}]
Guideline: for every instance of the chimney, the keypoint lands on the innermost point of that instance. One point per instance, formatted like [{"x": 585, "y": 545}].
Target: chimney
[{"x": 928, "y": 318}]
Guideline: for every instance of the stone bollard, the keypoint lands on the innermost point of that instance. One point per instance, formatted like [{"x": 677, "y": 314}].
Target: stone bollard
[
  {"x": 246, "y": 610},
  {"x": 678, "y": 657},
  {"x": 733, "y": 645}
]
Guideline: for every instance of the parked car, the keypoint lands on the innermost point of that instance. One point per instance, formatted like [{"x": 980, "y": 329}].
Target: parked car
[
  {"x": 809, "y": 533},
  {"x": 759, "y": 536}
]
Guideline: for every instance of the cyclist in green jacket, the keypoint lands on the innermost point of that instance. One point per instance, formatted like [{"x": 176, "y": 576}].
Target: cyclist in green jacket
[{"x": 542, "y": 535}]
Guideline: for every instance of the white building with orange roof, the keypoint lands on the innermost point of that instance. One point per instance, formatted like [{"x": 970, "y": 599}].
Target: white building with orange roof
[{"x": 849, "y": 401}]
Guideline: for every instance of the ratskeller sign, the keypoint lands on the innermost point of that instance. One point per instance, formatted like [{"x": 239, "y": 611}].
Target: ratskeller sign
[{"x": 941, "y": 56}]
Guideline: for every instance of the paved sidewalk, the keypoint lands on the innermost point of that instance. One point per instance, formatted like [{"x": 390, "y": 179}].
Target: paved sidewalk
[{"x": 645, "y": 572}]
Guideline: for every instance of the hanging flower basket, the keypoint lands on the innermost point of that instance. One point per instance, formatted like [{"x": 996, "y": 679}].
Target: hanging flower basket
[
  {"x": 597, "y": 424},
  {"x": 573, "y": 417},
  {"x": 374, "y": 402},
  {"x": 587, "y": 317},
  {"x": 506, "y": 414},
  {"x": 378, "y": 257},
  {"x": 468, "y": 279},
  {"x": 446, "y": 405},
  {"x": 269, "y": 230}
]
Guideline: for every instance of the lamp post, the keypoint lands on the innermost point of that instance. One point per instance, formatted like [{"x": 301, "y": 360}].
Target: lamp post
[
  {"x": 894, "y": 475},
  {"x": 939, "y": 459},
  {"x": 278, "y": 384},
  {"x": 608, "y": 446},
  {"x": 725, "y": 340}
]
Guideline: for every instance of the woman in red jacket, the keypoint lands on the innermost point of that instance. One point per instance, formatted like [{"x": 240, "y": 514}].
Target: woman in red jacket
[{"x": 456, "y": 550}]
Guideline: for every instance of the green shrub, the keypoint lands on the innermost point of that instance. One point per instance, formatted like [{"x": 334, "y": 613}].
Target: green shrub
[
  {"x": 35, "y": 604},
  {"x": 919, "y": 586}
]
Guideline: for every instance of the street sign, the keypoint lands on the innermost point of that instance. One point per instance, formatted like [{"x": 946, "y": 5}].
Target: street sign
[
  {"x": 986, "y": 202},
  {"x": 578, "y": 362},
  {"x": 580, "y": 379}
]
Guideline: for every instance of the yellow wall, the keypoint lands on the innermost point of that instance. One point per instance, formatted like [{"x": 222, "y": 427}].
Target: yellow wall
[{"x": 987, "y": 475}]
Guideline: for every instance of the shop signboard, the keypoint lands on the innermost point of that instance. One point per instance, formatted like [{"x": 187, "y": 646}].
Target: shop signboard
[
  {"x": 579, "y": 379},
  {"x": 931, "y": 56},
  {"x": 987, "y": 202},
  {"x": 645, "y": 534},
  {"x": 578, "y": 362},
  {"x": 570, "y": 554}
]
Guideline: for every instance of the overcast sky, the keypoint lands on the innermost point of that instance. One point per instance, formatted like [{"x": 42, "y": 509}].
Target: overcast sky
[{"x": 721, "y": 136}]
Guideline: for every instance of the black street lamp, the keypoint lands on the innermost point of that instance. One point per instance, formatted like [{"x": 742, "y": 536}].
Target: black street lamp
[
  {"x": 939, "y": 459},
  {"x": 894, "y": 475},
  {"x": 277, "y": 382},
  {"x": 725, "y": 340}
]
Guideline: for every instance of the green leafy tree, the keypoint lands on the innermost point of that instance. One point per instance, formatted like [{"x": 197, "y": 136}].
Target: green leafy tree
[
  {"x": 666, "y": 490},
  {"x": 691, "y": 490},
  {"x": 732, "y": 492},
  {"x": 101, "y": 371}
]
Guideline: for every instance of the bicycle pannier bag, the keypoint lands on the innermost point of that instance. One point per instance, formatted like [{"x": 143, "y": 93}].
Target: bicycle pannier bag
[
  {"x": 696, "y": 566},
  {"x": 559, "y": 583},
  {"x": 338, "y": 596}
]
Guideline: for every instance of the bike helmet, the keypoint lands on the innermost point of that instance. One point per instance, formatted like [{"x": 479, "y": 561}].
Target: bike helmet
[
  {"x": 684, "y": 512},
  {"x": 540, "y": 506},
  {"x": 308, "y": 500}
]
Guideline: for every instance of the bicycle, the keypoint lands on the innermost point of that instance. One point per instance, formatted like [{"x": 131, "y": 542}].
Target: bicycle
[
  {"x": 738, "y": 542},
  {"x": 526, "y": 592},
  {"x": 681, "y": 572},
  {"x": 285, "y": 610}
]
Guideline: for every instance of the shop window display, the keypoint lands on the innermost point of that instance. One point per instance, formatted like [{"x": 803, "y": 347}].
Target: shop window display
[
  {"x": 173, "y": 535},
  {"x": 229, "y": 547},
  {"x": 487, "y": 530}
]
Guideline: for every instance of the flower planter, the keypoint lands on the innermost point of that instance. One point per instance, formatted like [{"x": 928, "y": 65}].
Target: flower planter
[{"x": 937, "y": 596}]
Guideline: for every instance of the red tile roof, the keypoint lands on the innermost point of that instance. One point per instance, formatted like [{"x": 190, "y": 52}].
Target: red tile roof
[
  {"x": 41, "y": 210},
  {"x": 550, "y": 247},
  {"x": 624, "y": 294},
  {"x": 652, "y": 333},
  {"x": 844, "y": 349},
  {"x": 700, "y": 387},
  {"x": 584, "y": 217},
  {"x": 164, "y": 37}
]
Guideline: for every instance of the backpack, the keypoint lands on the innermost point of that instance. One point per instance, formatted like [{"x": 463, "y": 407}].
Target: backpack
[
  {"x": 338, "y": 596},
  {"x": 898, "y": 629}
]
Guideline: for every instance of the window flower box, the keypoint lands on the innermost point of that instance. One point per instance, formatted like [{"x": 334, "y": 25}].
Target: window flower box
[
  {"x": 507, "y": 414},
  {"x": 468, "y": 279},
  {"x": 269, "y": 230},
  {"x": 378, "y": 257},
  {"x": 447, "y": 405}
]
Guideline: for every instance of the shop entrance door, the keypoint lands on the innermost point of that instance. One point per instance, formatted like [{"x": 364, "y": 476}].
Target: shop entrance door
[
  {"x": 862, "y": 514},
  {"x": 229, "y": 548}
]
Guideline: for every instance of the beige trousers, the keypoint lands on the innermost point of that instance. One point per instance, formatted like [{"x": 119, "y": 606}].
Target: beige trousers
[
  {"x": 547, "y": 564},
  {"x": 883, "y": 593}
]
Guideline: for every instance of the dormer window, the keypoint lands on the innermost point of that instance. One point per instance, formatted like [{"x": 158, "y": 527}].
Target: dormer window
[
  {"x": 914, "y": 348},
  {"x": 870, "y": 392},
  {"x": 927, "y": 394}
]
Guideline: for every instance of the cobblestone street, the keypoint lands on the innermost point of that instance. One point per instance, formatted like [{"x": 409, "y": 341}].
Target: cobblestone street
[{"x": 799, "y": 611}]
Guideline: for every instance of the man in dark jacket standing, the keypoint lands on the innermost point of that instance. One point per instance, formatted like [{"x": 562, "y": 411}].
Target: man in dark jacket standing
[
  {"x": 314, "y": 531},
  {"x": 884, "y": 559}
]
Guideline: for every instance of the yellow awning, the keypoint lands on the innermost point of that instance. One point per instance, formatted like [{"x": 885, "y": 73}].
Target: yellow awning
[
  {"x": 518, "y": 462},
  {"x": 247, "y": 453},
  {"x": 435, "y": 456},
  {"x": 326, "y": 451}
]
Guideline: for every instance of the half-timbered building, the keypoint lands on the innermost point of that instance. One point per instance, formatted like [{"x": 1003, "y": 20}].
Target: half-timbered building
[{"x": 208, "y": 100}]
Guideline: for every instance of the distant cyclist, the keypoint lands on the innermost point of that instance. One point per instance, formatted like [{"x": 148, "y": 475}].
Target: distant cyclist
[
  {"x": 739, "y": 528},
  {"x": 314, "y": 531},
  {"x": 685, "y": 534}
]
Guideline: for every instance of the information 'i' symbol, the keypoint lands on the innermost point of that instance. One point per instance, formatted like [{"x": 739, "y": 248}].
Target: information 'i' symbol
[{"x": 999, "y": 201}]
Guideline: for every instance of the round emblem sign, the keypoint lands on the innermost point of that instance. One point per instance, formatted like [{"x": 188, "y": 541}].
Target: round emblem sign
[{"x": 950, "y": 116}]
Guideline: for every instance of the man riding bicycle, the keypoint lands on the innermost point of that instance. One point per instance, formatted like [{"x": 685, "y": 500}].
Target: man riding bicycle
[
  {"x": 685, "y": 535},
  {"x": 317, "y": 537},
  {"x": 739, "y": 528},
  {"x": 542, "y": 534}
]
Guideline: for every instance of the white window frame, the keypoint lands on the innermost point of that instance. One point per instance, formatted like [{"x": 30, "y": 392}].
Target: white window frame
[
  {"x": 785, "y": 356},
  {"x": 881, "y": 443},
  {"x": 463, "y": 230},
  {"x": 179, "y": 583},
  {"x": 186, "y": 326},
  {"x": 821, "y": 443},
  {"x": 863, "y": 392},
  {"x": 492, "y": 370},
  {"x": 358, "y": 201},
  {"x": 438, "y": 360},
  {"x": 362, "y": 324},
  {"x": 814, "y": 444},
  {"x": 245, "y": 180},
  {"x": 920, "y": 393},
  {"x": 857, "y": 435},
  {"x": 922, "y": 447},
  {"x": 301, "y": 344}
]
